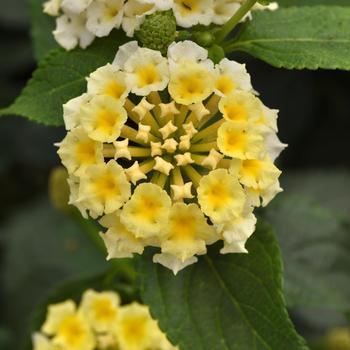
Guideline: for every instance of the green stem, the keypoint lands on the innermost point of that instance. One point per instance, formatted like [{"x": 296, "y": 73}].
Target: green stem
[
  {"x": 90, "y": 229},
  {"x": 229, "y": 46},
  {"x": 235, "y": 19}
]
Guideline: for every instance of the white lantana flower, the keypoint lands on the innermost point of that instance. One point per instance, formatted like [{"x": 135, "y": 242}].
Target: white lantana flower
[
  {"x": 135, "y": 12},
  {"x": 160, "y": 5},
  {"x": 189, "y": 13},
  {"x": 147, "y": 71},
  {"x": 223, "y": 10},
  {"x": 52, "y": 7},
  {"x": 100, "y": 17},
  {"x": 231, "y": 75},
  {"x": 237, "y": 232},
  {"x": 103, "y": 16},
  {"x": 75, "y": 6},
  {"x": 71, "y": 31}
]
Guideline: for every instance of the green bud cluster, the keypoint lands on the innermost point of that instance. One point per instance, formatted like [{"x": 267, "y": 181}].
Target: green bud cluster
[{"x": 158, "y": 31}]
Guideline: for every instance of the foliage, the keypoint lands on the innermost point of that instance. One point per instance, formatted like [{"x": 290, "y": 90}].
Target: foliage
[
  {"x": 60, "y": 77},
  {"x": 288, "y": 3},
  {"x": 316, "y": 251},
  {"x": 298, "y": 38},
  {"x": 223, "y": 302},
  {"x": 41, "y": 30}
]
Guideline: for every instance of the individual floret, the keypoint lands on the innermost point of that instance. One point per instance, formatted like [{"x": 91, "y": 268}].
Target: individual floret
[
  {"x": 103, "y": 118},
  {"x": 240, "y": 140},
  {"x": 103, "y": 16},
  {"x": 100, "y": 309},
  {"x": 71, "y": 31},
  {"x": 187, "y": 232},
  {"x": 146, "y": 213},
  {"x": 119, "y": 241},
  {"x": 68, "y": 328},
  {"x": 77, "y": 151},
  {"x": 104, "y": 188},
  {"x": 220, "y": 196}
]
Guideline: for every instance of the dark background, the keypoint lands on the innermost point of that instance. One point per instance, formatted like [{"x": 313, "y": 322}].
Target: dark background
[{"x": 36, "y": 250}]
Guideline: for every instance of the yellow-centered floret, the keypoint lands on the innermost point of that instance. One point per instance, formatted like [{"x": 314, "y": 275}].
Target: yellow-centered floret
[
  {"x": 68, "y": 328},
  {"x": 146, "y": 213},
  {"x": 240, "y": 140},
  {"x": 220, "y": 196},
  {"x": 104, "y": 188},
  {"x": 187, "y": 232},
  {"x": 100, "y": 309},
  {"x": 103, "y": 118}
]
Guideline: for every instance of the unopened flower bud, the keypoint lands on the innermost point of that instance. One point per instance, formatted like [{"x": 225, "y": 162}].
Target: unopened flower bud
[{"x": 158, "y": 31}]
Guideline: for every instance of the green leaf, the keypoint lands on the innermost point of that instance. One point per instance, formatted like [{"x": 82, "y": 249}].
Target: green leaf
[
  {"x": 316, "y": 250},
  {"x": 60, "y": 77},
  {"x": 228, "y": 302},
  {"x": 298, "y": 37},
  {"x": 41, "y": 30},
  {"x": 288, "y": 3}
]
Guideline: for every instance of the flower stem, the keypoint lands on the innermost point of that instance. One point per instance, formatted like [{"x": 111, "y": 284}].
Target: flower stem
[
  {"x": 230, "y": 46},
  {"x": 90, "y": 229},
  {"x": 235, "y": 19}
]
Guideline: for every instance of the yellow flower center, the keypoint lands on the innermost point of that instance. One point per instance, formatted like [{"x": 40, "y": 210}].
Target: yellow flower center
[
  {"x": 115, "y": 89},
  {"x": 225, "y": 84},
  {"x": 251, "y": 167},
  {"x": 85, "y": 152},
  {"x": 106, "y": 121},
  {"x": 104, "y": 310},
  {"x": 236, "y": 112},
  {"x": 134, "y": 330},
  {"x": 112, "y": 11},
  {"x": 192, "y": 86},
  {"x": 72, "y": 331},
  {"x": 236, "y": 141},
  {"x": 147, "y": 75},
  {"x": 187, "y": 6},
  {"x": 183, "y": 227},
  {"x": 218, "y": 195},
  {"x": 148, "y": 209},
  {"x": 191, "y": 83},
  {"x": 106, "y": 186}
]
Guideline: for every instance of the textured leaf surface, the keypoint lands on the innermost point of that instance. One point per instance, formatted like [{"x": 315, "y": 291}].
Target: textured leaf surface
[
  {"x": 299, "y": 37},
  {"x": 313, "y": 2},
  {"x": 316, "y": 251},
  {"x": 41, "y": 30},
  {"x": 226, "y": 302},
  {"x": 60, "y": 77}
]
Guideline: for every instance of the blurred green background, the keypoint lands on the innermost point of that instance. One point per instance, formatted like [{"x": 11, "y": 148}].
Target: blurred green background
[{"x": 41, "y": 247}]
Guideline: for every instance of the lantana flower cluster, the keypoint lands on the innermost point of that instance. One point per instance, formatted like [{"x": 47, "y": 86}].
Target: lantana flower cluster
[
  {"x": 172, "y": 152},
  {"x": 100, "y": 322},
  {"x": 80, "y": 21}
]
